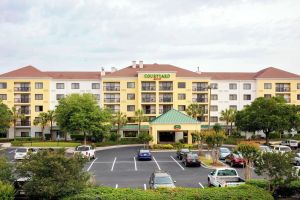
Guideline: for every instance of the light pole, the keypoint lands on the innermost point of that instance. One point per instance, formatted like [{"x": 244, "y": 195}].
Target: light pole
[{"x": 209, "y": 102}]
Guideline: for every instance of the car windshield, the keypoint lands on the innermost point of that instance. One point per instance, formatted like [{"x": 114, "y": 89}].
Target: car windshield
[
  {"x": 285, "y": 149},
  {"x": 227, "y": 172},
  {"x": 293, "y": 141},
  {"x": 237, "y": 155},
  {"x": 192, "y": 156},
  {"x": 144, "y": 151},
  {"x": 224, "y": 150},
  {"x": 83, "y": 148},
  {"x": 265, "y": 148},
  {"x": 185, "y": 150},
  {"x": 21, "y": 150},
  {"x": 163, "y": 180}
]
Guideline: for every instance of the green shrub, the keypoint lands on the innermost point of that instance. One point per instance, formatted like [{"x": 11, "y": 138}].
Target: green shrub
[
  {"x": 80, "y": 137},
  {"x": 6, "y": 140},
  {"x": 188, "y": 146},
  {"x": 178, "y": 145},
  {"x": 274, "y": 135},
  {"x": 17, "y": 143},
  {"x": 7, "y": 191},
  {"x": 288, "y": 190},
  {"x": 167, "y": 146},
  {"x": 233, "y": 140},
  {"x": 130, "y": 141},
  {"x": 261, "y": 183},
  {"x": 28, "y": 139}
]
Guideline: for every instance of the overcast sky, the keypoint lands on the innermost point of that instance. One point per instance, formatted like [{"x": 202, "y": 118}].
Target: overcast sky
[{"x": 231, "y": 35}]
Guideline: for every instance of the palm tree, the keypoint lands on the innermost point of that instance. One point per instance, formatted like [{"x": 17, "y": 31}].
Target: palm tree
[
  {"x": 51, "y": 118},
  {"x": 232, "y": 118},
  {"x": 16, "y": 115},
  {"x": 42, "y": 121},
  {"x": 139, "y": 118},
  {"x": 228, "y": 115},
  {"x": 195, "y": 110},
  {"x": 120, "y": 119}
]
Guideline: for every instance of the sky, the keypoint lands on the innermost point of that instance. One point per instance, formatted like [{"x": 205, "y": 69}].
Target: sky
[{"x": 86, "y": 35}]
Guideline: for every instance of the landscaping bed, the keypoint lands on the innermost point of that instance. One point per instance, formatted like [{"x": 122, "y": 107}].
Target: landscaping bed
[{"x": 45, "y": 144}]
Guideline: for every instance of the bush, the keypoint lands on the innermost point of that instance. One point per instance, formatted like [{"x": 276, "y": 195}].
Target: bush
[
  {"x": 17, "y": 143},
  {"x": 122, "y": 141},
  {"x": 188, "y": 146},
  {"x": 162, "y": 146},
  {"x": 7, "y": 191},
  {"x": 261, "y": 183},
  {"x": 6, "y": 169},
  {"x": 233, "y": 140},
  {"x": 6, "y": 140},
  {"x": 80, "y": 137},
  {"x": 244, "y": 192},
  {"x": 28, "y": 139},
  {"x": 274, "y": 135}
]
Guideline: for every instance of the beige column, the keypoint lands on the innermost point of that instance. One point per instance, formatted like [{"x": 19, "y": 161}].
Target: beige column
[{"x": 190, "y": 140}]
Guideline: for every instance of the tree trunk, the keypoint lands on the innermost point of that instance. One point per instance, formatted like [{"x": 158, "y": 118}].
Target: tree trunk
[
  {"x": 139, "y": 128},
  {"x": 227, "y": 128},
  {"x": 118, "y": 132},
  {"x": 267, "y": 137},
  {"x": 247, "y": 170},
  {"x": 52, "y": 135},
  {"x": 15, "y": 130},
  {"x": 66, "y": 136},
  {"x": 231, "y": 128},
  {"x": 84, "y": 135},
  {"x": 43, "y": 136}
]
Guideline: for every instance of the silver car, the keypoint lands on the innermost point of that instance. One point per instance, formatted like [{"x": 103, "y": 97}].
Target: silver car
[
  {"x": 161, "y": 179},
  {"x": 296, "y": 159},
  {"x": 223, "y": 152}
]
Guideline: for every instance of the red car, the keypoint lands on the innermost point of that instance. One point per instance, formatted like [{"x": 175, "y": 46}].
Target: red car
[{"x": 235, "y": 159}]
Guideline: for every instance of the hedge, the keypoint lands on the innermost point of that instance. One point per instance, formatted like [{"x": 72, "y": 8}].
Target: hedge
[
  {"x": 120, "y": 142},
  {"x": 7, "y": 191},
  {"x": 244, "y": 192}
]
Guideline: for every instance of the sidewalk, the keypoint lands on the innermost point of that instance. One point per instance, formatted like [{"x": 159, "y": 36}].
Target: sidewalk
[{"x": 5, "y": 145}]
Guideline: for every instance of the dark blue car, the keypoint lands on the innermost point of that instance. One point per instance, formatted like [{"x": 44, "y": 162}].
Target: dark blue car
[{"x": 144, "y": 154}]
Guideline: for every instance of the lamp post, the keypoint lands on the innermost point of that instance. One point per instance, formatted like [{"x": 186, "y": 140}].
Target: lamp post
[{"x": 209, "y": 102}]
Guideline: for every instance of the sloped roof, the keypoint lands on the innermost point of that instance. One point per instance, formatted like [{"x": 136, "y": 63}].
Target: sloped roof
[
  {"x": 28, "y": 71},
  {"x": 272, "y": 72},
  {"x": 74, "y": 75},
  {"x": 174, "y": 117},
  {"x": 230, "y": 75},
  {"x": 133, "y": 72}
]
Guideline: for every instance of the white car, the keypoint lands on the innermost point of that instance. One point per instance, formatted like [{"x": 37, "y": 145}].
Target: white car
[
  {"x": 265, "y": 149},
  {"x": 21, "y": 153},
  {"x": 296, "y": 159},
  {"x": 86, "y": 151},
  {"x": 290, "y": 143},
  {"x": 224, "y": 177},
  {"x": 281, "y": 149}
]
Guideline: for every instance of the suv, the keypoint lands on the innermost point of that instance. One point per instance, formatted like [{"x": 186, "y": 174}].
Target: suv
[
  {"x": 281, "y": 149},
  {"x": 290, "y": 143},
  {"x": 86, "y": 151},
  {"x": 159, "y": 179},
  {"x": 180, "y": 153},
  {"x": 190, "y": 159}
]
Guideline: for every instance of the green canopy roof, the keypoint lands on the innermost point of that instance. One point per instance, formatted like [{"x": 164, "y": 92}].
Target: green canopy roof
[{"x": 174, "y": 117}]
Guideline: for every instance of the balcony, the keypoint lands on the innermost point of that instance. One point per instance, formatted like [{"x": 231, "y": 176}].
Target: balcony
[
  {"x": 198, "y": 88},
  {"x": 200, "y": 100},
  {"x": 283, "y": 89},
  {"x": 148, "y": 88},
  {"x": 111, "y": 88},
  {"x": 22, "y": 100},
  {"x": 22, "y": 89},
  {"x": 164, "y": 110},
  {"x": 112, "y": 100},
  {"x": 24, "y": 112},
  {"x": 147, "y": 100},
  {"x": 165, "y": 88},
  {"x": 23, "y": 123},
  {"x": 165, "y": 99},
  {"x": 149, "y": 111}
]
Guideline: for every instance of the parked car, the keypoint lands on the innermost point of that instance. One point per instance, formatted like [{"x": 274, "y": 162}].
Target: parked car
[
  {"x": 21, "y": 153},
  {"x": 86, "y": 151},
  {"x": 235, "y": 159},
  {"x": 265, "y": 149},
  {"x": 224, "y": 177},
  {"x": 20, "y": 192},
  {"x": 281, "y": 149},
  {"x": 297, "y": 168},
  {"x": 144, "y": 154},
  {"x": 180, "y": 153},
  {"x": 296, "y": 159},
  {"x": 290, "y": 143},
  {"x": 223, "y": 152},
  {"x": 33, "y": 150},
  {"x": 191, "y": 159},
  {"x": 159, "y": 179}
]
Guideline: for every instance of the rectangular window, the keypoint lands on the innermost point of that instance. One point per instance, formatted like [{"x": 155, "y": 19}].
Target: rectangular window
[
  {"x": 247, "y": 86},
  {"x": 181, "y": 84},
  {"x": 130, "y": 84},
  {"x": 95, "y": 85},
  {"x": 130, "y": 108},
  {"x": 3, "y": 85},
  {"x": 181, "y": 107},
  {"x": 233, "y": 97},
  {"x": 267, "y": 96},
  {"x": 298, "y": 96},
  {"x": 247, "y": 97},
  {"x": 38, "y": 85},
  {"x": 298, "y": 86},
  {"x": 233, "y": 107},
  {"x": 181, "y": 96},
  {"x": 3, "y": 97},
  {"x": 59, "y": 96},
  {"x": 214, "y": 86},
  {"x": 97, "y": 96},
  {"x": 130, "y": 134},
  {"x": 213, "y": 108},
  {"x": 60, "y": 86},
  {"x": 130, "y": 96},
  {"x": 213, "y": 119},
  {"x": 268, "y": 86},
  {"x": 38, "y": 134},
  {"x": 214, "y": 97},
  {"x": 75, "y": 86},
  {"x": 38, "y": 96},
  {"x": 232, "y": 86},
  {"x": 24, "y": 134},
  {"x": 38, "y": 108}
]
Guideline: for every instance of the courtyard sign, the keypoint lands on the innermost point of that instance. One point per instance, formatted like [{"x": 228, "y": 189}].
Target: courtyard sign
[
  {"x": 177, "y": 127},
  {"x": 157, "y": 76}
]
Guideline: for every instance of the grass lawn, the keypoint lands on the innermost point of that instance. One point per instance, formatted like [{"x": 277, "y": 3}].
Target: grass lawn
[
  {"x": 51, "y": 144},
  {"x": 209, "y": 162}
]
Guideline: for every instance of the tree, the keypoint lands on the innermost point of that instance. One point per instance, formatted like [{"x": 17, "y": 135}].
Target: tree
[
  {"x": 120, "y": 119},
  {"x": 145, "y": 137},
  {"x": 5, "y": 118},
  {"x": 7, "y": 191},
  {"x": 277, "y": 167},
  {"x": 217, "y": 127},
  {"x": 51, "y": 119},
  {"x": 52, "y": 175},
  {"x": 228, "y": 115},
  {"x": 16, "y": 115},
  {"x": 6, "y": 168},
  {"x": 199, "y": 137},
  {"x": 139, "y": 118},
  {"x": 214, "y": 140},
  {"x": 81, "y": 113},
  {"x": 195, "y": 110},
  {"x": 249, "y": 151},
  {"x": 42, "y": 121}
]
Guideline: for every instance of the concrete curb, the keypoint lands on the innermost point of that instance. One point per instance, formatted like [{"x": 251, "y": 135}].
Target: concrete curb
[
  {"x": 72, "y": 149},
  {"x": 5, "y": 145}
]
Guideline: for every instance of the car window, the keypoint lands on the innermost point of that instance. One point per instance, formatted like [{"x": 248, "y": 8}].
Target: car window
[
  {"x": 193, "y": 156},
  {"x": 144, "y": 151},
  {"x": 83, "y": 148},
  {"x": 185, "y": 150},
  {"x": 22, "y": 150},
  {"x": 286, "y": 149},
  {"x": 225, "y": 150},
  {"x": 213, "y": 172},
  {"x": 227, "y": 172},
  {"x": 163, "y": 180}
]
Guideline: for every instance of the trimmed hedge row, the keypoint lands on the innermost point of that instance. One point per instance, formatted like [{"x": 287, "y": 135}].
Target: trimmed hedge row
[
  {"x": 244, "y": 192},
  {"x": 7, "y": 191},
  {"x": 120, "y": 142}
]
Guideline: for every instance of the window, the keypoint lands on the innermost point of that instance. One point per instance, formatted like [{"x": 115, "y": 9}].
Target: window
[
  {"x": 232, "y": 86},
  {"x": 97, "y": 96},
  {"x": 3, "y": 97},
  {"x": 38, "y": 134},
  {"x": 298, "y": 96},
  {"x": 59, "y": 96},
  {"x": 213, "y": 108},
  {"x": 24, "y": 134},
  {"x": 181, "y": 107},
  {"x": 214, "y": 97},
  {"x": 181, "y": 96},
  {"x": 130, "y": 84},
  {"x": 268, "y": 86},
  {"x": 247, "y": 86},
  {"x": 233, "y": 107},
  {"x": 38, "y": 96},
  {"x": 232, "y": 97},
  {"x": 247, "y": 97},
  {"x": 181, "y": 84},
  {"x": 214, "y": 119},
  {"x": 214, "y": 86},
  {"x": 75, "y": 86},
  {"x": 267, "y": 96},
  {"x": 38, "y": 85},
  {"x": 130, "y": 108},
  {"x": 95, "y": 85},
  {"x": 129, "y": 134},
  {"x": 3, "y": 85},
  {"x": 298, "y": 86},
  {"x": 130, "y": 96},
  {"x": 60, "y": 86},
  {"x": 38, "y": 108}
]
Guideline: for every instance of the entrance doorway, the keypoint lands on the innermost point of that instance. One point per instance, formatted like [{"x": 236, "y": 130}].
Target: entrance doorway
[{"x": 167, "y": 137}]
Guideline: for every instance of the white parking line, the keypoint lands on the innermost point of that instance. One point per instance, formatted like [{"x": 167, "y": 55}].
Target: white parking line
[
  {"x": 117, "y": 186},
  {"x": 156, "y": 163},
  {"x": 135, "y": 167},
  {"x": 200, "y": 185},
  {"x": 177, "y": 162},
  {"x": 145, "y": 186},
  {"x": 113, "y": 165},
  {"x": 91, "y": 165}
]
